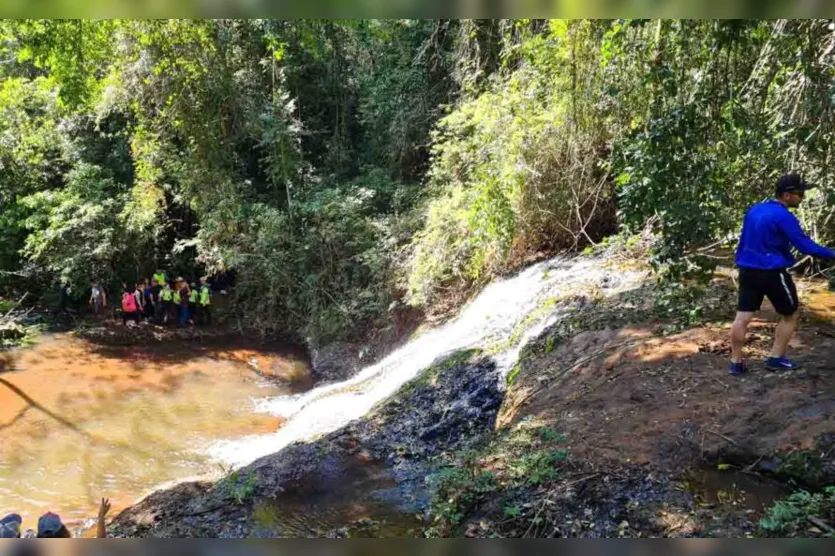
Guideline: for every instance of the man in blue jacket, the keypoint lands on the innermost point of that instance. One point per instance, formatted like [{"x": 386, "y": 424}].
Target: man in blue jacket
[{"x": 764, "y": 257}]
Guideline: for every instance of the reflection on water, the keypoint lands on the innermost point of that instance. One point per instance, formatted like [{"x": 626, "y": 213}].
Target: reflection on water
[{"x": 123, "y": 420}]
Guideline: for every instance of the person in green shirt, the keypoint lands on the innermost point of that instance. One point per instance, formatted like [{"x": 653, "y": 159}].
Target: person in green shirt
[
  {"x": 159, "y": 276},
  {"x": 193, "y": 305},
  {"x": 167, "y": 297},
  {"x": 204, "y": 302}
]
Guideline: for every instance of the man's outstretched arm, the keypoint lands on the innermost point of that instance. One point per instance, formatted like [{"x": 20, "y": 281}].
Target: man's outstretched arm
[{"x": 791, "y": 227}]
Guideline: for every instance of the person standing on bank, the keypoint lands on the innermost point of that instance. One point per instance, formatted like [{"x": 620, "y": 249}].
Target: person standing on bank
[
  {"x": 205, "y": 300},
  {"x": 763, "y": 258}
]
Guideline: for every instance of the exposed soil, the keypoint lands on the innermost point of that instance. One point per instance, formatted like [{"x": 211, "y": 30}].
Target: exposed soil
[
  {"x": 670, "y": 402},
  {"x": 662, "y": 441}
]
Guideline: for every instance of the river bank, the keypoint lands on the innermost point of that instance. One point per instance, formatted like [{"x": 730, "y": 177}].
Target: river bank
[
  {"x": 615, "y": 420},
  {"x": 574, "y": 399}
]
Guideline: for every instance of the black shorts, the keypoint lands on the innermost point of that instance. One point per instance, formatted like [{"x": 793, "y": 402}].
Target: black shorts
[{"x": 776, "y": 285}]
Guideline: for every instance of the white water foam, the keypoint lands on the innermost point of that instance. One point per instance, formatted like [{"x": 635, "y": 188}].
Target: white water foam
[{"x": 494, "y": 317}]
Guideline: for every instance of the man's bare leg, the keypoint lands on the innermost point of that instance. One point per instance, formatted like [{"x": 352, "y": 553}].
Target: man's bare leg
[
  {"x": 783, "y": 334},
  {"x": 738, "y": 330}
]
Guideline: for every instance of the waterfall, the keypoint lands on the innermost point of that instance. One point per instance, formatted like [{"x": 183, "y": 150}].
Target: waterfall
[{"x": 501, "y": 320}]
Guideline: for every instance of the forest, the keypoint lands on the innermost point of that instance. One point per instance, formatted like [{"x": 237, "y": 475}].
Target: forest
[{"x": 345, "y": 170}]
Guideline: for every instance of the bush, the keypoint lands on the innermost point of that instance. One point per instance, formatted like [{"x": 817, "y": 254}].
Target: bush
[
  {"x": 517, "y": 169},
  {"x": 323, "y": 272},
  {"x": 800, "y": 512}
]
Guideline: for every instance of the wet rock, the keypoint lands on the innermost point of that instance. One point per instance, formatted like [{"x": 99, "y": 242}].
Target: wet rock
[
  {"x": 335, "y": 362},
  {"x": 443, "y": 415},
  {"x": 11, "y": 332}
]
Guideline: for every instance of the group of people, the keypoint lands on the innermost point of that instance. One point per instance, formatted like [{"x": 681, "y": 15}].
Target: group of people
[
  {"x": 160, "y": 300},
  {"x": 50, "y": 525}
]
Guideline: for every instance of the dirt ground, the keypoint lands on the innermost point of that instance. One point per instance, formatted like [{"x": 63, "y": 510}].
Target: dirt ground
[
  {"x": 670, "y": 401},
  {"x": 662, "y": 441}
]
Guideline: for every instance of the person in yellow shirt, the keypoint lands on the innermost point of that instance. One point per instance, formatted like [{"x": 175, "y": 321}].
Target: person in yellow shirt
[
  {"x": 193, "y": 306},
  {"x": 159, "y": 276},
  {"x": 204, "y": 302},
  {"x": 167, "y": 297}
]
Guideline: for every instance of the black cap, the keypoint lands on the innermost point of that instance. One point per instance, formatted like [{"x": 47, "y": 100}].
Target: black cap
[{"x": 792, "y": 183}]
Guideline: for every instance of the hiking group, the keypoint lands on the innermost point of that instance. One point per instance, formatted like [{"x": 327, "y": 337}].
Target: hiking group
[
  {"x": 50, "y": 525},
  {"x": 764, "y": 257},
  {"x": 160, "y": 301}
]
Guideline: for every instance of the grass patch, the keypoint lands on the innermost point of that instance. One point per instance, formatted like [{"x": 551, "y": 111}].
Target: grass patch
[
  {"x": 238, "y": 486},
  {"x": 6, "y": 306},
  {"x": 804, "y": 468},
  {"x": 528, "y": 457}
]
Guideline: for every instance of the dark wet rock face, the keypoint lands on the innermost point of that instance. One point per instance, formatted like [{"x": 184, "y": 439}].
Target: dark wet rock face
[
  {"x": 452, "y": 407},
  {"x": 335, "y": 362},
  {"x": 371, "y": 472},
  {"x": 446, "y": 409}
]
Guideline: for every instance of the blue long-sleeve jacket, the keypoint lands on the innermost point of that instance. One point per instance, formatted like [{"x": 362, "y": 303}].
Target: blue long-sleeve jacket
[{"x": 768, "y": 232}]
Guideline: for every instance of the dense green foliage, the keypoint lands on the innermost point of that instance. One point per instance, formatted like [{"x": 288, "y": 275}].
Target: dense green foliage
[
  {"x": 340, "y": 168},
  {"x": 288, "y": 152},
  {"x": 801, "y": 514},
  {"x": 684, "y": 123}
]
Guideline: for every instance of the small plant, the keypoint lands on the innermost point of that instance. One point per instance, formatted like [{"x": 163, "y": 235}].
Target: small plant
[
  {"x": 456, "y": 490},
  {"x": 803, "y": 467},
  {"x": 549, "y": 344},
  {"x": 801, "y": 513},
  {"x": 512, "y": 511},
  {"x": 239, "y": 487},
  {"x": 533, "y": 468},
  {"x": 513, "y": 374},
  {"x": 549, "y": 434}
]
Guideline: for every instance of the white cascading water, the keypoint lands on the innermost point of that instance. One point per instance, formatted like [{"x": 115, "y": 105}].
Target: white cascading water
[{"x": 494, "y": 318}]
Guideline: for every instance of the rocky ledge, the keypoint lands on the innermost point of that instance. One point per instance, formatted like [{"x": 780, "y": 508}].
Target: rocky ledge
[{"x": 369, "y": 474}]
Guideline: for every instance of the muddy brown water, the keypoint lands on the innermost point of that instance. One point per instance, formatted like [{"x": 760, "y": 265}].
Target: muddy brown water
[
  {"x": 736, "y": 488},
  {"x": 79, "y": 421}
]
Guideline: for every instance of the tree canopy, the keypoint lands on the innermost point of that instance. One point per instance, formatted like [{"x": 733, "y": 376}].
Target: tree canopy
[{"x": 343, "y": 168}]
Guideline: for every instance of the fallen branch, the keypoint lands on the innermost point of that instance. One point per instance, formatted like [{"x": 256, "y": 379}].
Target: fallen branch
[
  {"x": 720, "y": 435},
  {"x": 15, "y": 306},
  {"x": 31, "y": 402},
  {"x": 580, "y": 480},
  {"x": 814, "y": 520},
  {"x": 749, "y": 468}
]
